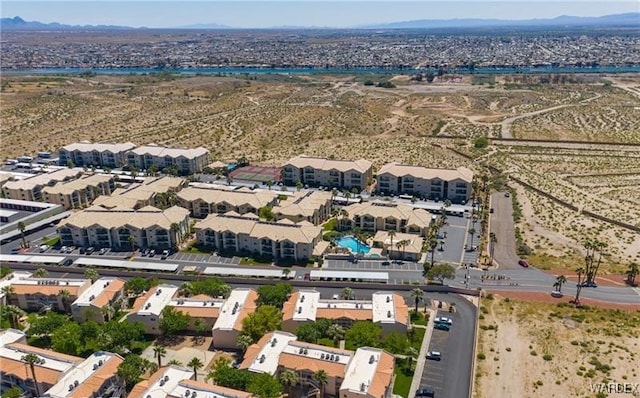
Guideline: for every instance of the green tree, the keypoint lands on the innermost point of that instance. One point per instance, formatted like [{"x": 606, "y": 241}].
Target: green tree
[
  {"x": 289, "y": 378},
  {"x": 433, "y": 244},
  {"x": 200, "y": 328},
  {"x": 138, "y": 285},
  {"x": 132, "y": 242},
  {"x": 66, "y": 339},
  {"x": 309, "y": 332},
  {"x": 322, "y": 379},
  {"x": 32, "y": 359},
  {"x": 13, "y": 392},
  {"x": 275, "y": 295},
  {"x": 264, "y": 385},
  {"x": 91, "y": 274},
  {"x": 481, "y": 142},
  {"x": 493, "y": 239},
  {"x": 418, "y": 296},
  {"x": 411, "y": 354},
  {"x": 4, "y": 271},
  {"x": 159, "y": 352},
  {"x": 347, "y": 293},
  {"x": 265, "y": 319},
  {"x": 22, "y": 227},
  {"x": 336, "y": 333},
  {"x": 392, "y": 234},
  {"x": 363, "y": 334},
  {"x": 195, "y": 364},
  {"x": 173, "y": 321},
  {"x": 266, "y": 213},
  {"x": 441, "y": 272},
  {"x": 131, "y": 369},
  {"x": 40, "y": 273},
  {"x": 472, "y": 232},
  {"x": 45, "y": 325},
  {"x": 174, "y": 362},
  {"x": 244, "y": 341},
  {"x": 7, "y": 291},
  {"x": 396, "y": 343}
]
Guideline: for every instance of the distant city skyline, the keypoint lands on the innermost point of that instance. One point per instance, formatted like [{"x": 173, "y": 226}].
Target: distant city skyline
[{"x": 263, "y": 14}]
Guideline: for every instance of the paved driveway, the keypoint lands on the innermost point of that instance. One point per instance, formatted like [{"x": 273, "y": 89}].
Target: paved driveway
[{"x": 503, "y": 226}]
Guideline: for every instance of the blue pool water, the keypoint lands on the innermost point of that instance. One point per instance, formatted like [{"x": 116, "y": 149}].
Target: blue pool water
[{"x": 351, "y": 243}]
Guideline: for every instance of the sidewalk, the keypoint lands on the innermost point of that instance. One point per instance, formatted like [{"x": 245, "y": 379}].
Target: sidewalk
[{"x": 421, "y": 360}]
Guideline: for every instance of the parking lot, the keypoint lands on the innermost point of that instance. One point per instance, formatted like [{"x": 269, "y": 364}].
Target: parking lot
[{"x": 449, "y": 377}]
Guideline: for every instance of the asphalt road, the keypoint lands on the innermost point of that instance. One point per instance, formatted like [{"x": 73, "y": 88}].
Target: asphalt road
[
  {"x": 503, "y": 226},
  {"x": 451, "y": 377}
]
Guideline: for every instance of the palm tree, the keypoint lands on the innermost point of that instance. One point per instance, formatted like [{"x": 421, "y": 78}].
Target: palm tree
[
  {"x": 398, "y": 246},
  {"x": 41, "y": 273},
  {"x": 7, "y": 291},
  {"x": 342, "y": 214},
  {"x": 64, "y": 296},
  {"x": 336, "y": 332},
  {"x": 160, "y": 352},
  {"x": 32, "y": 360},
  {"x": 13, "y": 313},
  {"x": 392, "y": 234},
  {"x": 174, "y": 362},
  {"x": 186, "y": 289},
  {"x": 560, "y": 280},
  {"x": 289, "y": 378},
  {"x": 334, "y": 193},
  {"x": 441, "y": 243},
  {"x": 195, "y": 364},
  {"x": 22, "y": 227},
  {"x": 576, "y": 301},
  {"x": 411, "y": 353},
  {"x": 269, "y": 184},
  {"x": 632, "y": 272},
  {"x": 472, "y": 231},
  {"x": 418, "y": 295},
  {"x": 347, "y": 292},
  {"x": 107, "y": 312},
  {"x": 433, "y": 244},
  {"x": 403, "y": 244},
  {"x": 244, "y": 341},
  {"x": 493, "y": 239},
  {"x": 322, "y": 378},
  {"x": 132, "y": 242},
  {"x": 286, "y": 272},
  {"x": 447, "y": 203},
  {"x": 92, "y": 274},
  {"x": 175, "y": 228}
]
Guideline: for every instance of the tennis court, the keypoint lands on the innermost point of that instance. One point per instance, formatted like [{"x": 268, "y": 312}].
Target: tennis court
[{"x": 256, "y": 173}]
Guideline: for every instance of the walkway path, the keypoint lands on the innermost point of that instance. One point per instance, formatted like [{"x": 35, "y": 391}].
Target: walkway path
[{"x": 420, "y": 361}]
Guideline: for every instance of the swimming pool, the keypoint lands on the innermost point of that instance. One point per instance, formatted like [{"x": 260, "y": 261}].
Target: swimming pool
[{"x": 351, "y": 243}]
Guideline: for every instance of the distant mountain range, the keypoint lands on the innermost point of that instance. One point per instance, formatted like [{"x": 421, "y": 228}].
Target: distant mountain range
[{"x": 617, "y": 20}]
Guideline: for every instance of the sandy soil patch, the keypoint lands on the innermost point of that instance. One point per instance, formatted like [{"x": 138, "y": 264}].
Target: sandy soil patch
[{"x": 536, "y": 349}]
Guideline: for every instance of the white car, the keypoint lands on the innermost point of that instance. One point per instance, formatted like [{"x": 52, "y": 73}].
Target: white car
[
  {"x": 43, "y": 248},
  {"x": 443, "y": 319}
]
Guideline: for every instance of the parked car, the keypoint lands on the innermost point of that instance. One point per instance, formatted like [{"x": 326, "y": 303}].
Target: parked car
[
  {"x": 442, "y": 326},
  {"x": 43, "y": 248},
  {"x": 443, "y": 319},
  {"x": 145, "y": 252},
  {"x": 523, "y": 263},
  {"x": 589, "y": 284},
  {"x": 386, "y": 263},
  {"x": 425, "y": 392},
  {"x": 63, "y": 249},
  {"x": 83, "y": 250},
  {"x": 165, "y": 254},
  {"x": 507, "y": 194},
  {"x": 90, "y": 250},
  {"x": 434, "y": 355},
  {"x": 67, "y": 262},
  {"x": 152, "y": 253},
  {"x": 102, "y": 251},
  {"x": 556, "y": 294}
]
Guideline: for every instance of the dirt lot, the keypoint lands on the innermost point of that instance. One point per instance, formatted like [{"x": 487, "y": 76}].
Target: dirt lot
[{"x": 534, "y": 349}]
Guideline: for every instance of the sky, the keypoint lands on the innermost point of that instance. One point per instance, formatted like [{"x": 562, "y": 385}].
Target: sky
[{"x": 327, "y": 13}]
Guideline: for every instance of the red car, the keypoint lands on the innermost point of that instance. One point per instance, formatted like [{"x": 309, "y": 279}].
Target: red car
[{"x": 523, "y": 263}]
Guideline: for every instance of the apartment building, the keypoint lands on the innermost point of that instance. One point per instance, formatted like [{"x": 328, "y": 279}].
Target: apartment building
[
  {"x": 400, "y": 246},
  {"x": 367, "y": 372},
  {"x": 154, "y": 191},
  {"x": 431, "y": 183},
  {"x": 247, "y": 234},
  {"x": 35, "y": 294},
  {"x": 98, "y": 300},
  {"x": 176, "y": 382},
  {"x": 342, "y": 174},
  {"x": 220, "y": 199},
  {"x": 186, "y": 160},
  {"x": 16, "y": 372},
  {"x": 30, "y": 189},
  {"x": 93, "y": 377},
  {"x": 386, "y": 216},
  {"x": 124, "y": 228},
  {"x": 240, "y": 303},
  {"x": 80, "y": 193},
  {"x": 86, "y": 153},
  {"x": 147, "y": 309},
  {"x": 387, "y": 309},
  {"x": 200, "y": 308},
  {"x": 312, "y": 206},
  {"x": 7, "y": 281}
]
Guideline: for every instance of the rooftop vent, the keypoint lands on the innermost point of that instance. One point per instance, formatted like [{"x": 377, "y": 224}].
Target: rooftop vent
[
  {"x": 306, "y": 351},
  {"x": 372, "y": 359},
  {"x": 166, "y": 378},
  {"x": 322, "y": 356},
  {"x": 299, "y": 310},
  {"x": 100, "y": 362},
  {"x": 193, "y": 394},
  {"x": 204, "y": 303},
  {"x": 262, "y": 358},
  {"x": 337, "y": 358},
  {"x": 388, "y": 314},
  {"x": 274, "y": 342},
  {"x": 76, "y": 383},
  {"x": 95, "y": 366},
  {"x": 331, "y": 357},
  {"x": 301, "y": 351},
  {"x": 302, "y": 298},
  {"x": 363, "y": 387},
  {"x": 388, "y": 299},
  {"x": 70, "y": 387},
  {"x": 187, "y": 393},
  {"x": 161, "y": 382},
  {"x": 158, "y": 292},
  {"x": 92, "y": 297}
]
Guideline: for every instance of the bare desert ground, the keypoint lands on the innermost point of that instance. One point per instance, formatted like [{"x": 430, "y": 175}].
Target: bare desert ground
[
  {"x": 271, "y": 118},
  {"x": 528, "y": 349}
]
